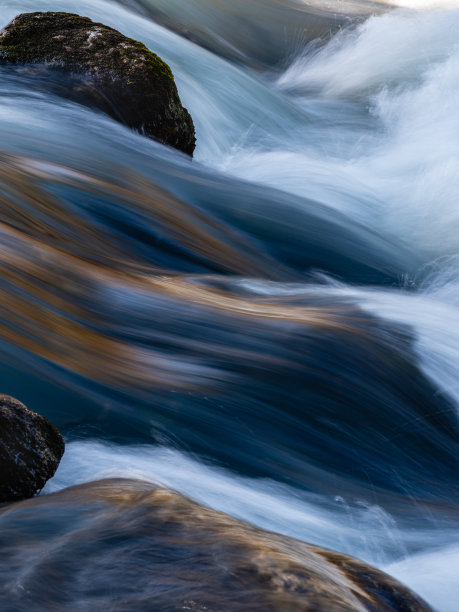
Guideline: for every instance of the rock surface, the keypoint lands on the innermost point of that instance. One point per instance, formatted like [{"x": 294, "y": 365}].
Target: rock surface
[
  {"x": 30, "y": 450},
  {"x": 130, "y": 545},
  {"x": 102, "y": 68}
]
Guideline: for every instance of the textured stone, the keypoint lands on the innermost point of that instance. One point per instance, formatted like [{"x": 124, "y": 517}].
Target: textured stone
[
  {"x": 101, "y": 67},
  {"x": 30, "y": 450}
]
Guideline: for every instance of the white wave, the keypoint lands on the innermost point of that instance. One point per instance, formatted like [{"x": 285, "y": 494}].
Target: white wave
[
  {"x": 350, "y": 525},
  {"x": 379, "y": 144},
  {"x": 433, "y": 314},
  {"x": 387, "y": 49},
  {"x": 433, "y": 575}
]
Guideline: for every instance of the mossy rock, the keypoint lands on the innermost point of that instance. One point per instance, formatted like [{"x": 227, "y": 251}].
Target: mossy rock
[{"x": 102, "y": 68}]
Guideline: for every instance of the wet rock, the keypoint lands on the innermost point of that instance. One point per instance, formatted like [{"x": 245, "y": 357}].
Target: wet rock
[
  {"x": 129, "y": 545},
  {"x": 103, "y": 68},
  {"x": 30, "y": 450}
]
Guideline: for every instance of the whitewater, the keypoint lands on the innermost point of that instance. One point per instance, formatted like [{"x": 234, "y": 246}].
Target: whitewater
[{"x": 285, "y": 347}]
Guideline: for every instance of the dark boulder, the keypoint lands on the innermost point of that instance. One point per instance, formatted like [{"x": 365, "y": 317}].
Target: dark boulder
[
  {"x": 100, "y": 67},
  {"x": 30, "y": 450}
]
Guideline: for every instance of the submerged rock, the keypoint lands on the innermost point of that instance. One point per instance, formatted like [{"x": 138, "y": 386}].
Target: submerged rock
[
  {"x": 30, "y": 450},
  {"x": 103, "y": 68},
  {"x": 129, "y": 545}
]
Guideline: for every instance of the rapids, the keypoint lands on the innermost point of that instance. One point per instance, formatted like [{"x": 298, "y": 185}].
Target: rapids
[{"x": 271, "y": 328}]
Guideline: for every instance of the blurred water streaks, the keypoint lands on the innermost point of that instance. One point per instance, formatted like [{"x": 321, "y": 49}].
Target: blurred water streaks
[
  {"x": 196, "y": 349},
  {"x": 264, "y": 327},
  {"x": 262, "y": 34},
  {"x": 195, "y": 237}
]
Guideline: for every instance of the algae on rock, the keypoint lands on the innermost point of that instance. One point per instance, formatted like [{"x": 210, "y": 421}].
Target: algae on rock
[{"x": 101, "y": 67}]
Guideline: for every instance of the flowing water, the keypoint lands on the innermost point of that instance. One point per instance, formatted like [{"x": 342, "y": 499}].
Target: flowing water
[{"x": 273, "y": 327}]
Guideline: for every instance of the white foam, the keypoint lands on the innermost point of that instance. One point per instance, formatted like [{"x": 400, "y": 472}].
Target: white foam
[
  {"x": 387, "y": 49},
  {"x": 433, "y": 575},
  {"x": 362, "y": 528},
  {"x": 380, "y": 145}
]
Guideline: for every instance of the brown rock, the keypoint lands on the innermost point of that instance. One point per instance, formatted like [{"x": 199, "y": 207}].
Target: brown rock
[{"x": 139, "y": 547}]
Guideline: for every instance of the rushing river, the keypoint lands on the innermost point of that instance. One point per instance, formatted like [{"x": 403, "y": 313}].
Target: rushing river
[{"x": 273, "y": 327}]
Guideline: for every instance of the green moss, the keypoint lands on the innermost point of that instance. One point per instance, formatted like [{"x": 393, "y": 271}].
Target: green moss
[
  {"x": 108, "y": 66},
  {"x": 153, "y": 61}
]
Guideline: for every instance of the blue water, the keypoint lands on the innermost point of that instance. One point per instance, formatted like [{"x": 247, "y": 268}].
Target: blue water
[{"x": 272, "y": 327}]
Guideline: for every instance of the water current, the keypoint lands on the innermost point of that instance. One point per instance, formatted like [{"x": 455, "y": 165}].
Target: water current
[{"x": 272, "y": 327}]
